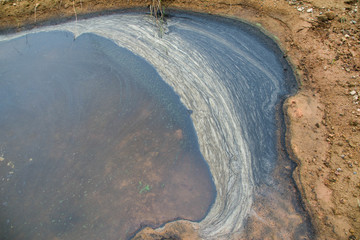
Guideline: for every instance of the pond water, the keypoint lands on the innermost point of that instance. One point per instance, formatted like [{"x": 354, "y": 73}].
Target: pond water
[
  {"x": 94, "y": 144},
  {"x": 97, "y": 123}
]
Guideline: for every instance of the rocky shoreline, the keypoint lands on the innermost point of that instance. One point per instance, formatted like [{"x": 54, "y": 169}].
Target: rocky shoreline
[{"x": 321, "y": 39}]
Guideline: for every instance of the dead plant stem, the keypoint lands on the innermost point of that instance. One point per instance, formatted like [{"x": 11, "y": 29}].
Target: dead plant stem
[{"x": 74, "y": 10}]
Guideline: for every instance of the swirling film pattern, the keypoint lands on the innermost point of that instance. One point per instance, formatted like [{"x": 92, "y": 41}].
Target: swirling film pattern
[{"x": 230, "y": 77}]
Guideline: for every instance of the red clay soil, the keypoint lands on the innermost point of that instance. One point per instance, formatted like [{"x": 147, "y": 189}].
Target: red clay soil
[{"x": 321, "y": 38}]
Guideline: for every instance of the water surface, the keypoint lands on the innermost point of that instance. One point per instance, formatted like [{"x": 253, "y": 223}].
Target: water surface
[
  {"x": 94, "y": 144},
  {"x": 232, "y": 78}
]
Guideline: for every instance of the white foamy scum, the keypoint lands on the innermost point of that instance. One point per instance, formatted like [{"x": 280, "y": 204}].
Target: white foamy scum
[{"x": 231, "y": 83}]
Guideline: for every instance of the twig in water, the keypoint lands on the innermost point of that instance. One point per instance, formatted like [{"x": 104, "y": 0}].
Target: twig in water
[{"x": 157, "y": 10}]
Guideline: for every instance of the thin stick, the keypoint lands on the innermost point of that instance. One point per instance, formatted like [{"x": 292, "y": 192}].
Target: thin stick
[
  {"x": 36, "y": 5},
  {"x": 155, "y": 8},
  {"x": 75, "y": 10}
]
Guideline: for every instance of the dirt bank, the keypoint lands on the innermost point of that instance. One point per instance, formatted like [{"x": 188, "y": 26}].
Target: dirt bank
[{"x": 321, "y": 38}]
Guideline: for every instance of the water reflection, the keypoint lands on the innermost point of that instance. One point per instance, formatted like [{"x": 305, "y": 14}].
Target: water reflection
[{"x": 93, "y": 143}]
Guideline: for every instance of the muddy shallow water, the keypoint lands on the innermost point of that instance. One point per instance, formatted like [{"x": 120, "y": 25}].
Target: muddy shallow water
[
  {"x": 90, "y": 150},
  {"x": 228, "y": 75}
]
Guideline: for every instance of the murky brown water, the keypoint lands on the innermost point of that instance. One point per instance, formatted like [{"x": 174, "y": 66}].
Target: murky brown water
[
  {"x": 88, "y": 149},
  {"x": 277, "y": 212}
]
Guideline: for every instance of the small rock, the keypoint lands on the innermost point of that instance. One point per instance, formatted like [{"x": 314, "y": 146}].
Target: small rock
[
  {"x": 349, "y": 1},
  {"x": 355, "y": 97},
  {"x": 300, "y": 9},
  {"x": 330, "y": 15},
  {"x": 353, "y": 21},
  {"x": 2, "y": 159},
  {"x": 351, "y": 144},
  {"x": 353, "y": 123},
  {"x": 346, "y": 35},
  {"x": 310, "y": 10},
  {"x": 10, "y": 164},
  {"x": 351, "y": 230},
  {"x": 342, "y": 201},
  {"x": 353, "y": 92},
  {"x": 322, "y": 18}
]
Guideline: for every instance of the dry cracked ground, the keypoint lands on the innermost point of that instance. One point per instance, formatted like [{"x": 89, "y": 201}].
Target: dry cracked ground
[{"x": 321, "y": 38}]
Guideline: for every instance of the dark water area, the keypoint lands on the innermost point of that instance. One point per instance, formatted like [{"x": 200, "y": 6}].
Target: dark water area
[{"x": 93, "y": 144}]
